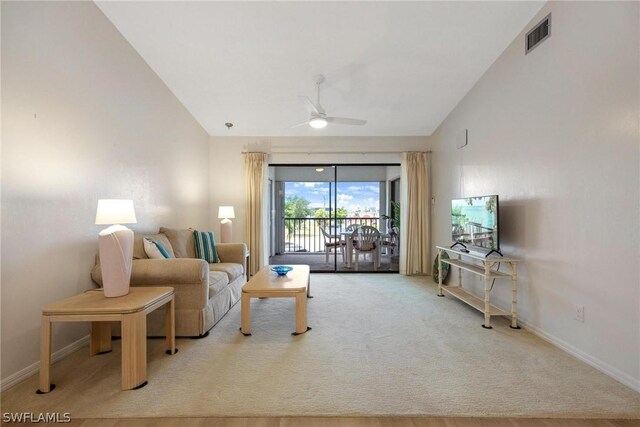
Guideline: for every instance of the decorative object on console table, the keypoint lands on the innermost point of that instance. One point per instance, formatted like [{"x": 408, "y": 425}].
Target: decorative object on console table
[
  {"x": 226, "y": 213},
  {"x": 115, "y": 245},
  {"x": 436, "y": 272}
]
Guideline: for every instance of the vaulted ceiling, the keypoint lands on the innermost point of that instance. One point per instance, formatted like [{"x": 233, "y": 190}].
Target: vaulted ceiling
[{"x": 403, "y": 66}]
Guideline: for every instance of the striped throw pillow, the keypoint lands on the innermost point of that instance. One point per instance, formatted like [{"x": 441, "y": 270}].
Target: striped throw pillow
[{"x": 205, "y": 246}]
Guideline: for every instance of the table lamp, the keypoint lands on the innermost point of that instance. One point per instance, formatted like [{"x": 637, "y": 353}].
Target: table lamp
[
  {"x": 226, "y": 230},
  {"x": 115, "y": 245}
]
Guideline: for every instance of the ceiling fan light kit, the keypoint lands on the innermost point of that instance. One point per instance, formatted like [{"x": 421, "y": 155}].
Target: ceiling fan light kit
[
  {"x": 318, "y": 123},
  {"x": 318, "y": 117}
]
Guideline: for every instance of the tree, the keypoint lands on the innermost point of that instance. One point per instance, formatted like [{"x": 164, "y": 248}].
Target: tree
[
  {"x": 328, "y": 216},
  {"x": 323, "y": 213},
  {"x": 341, "y": 213},
  {"x": 295, "y": 207}
]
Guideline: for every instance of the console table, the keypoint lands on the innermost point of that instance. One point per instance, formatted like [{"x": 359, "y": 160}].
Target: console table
[{"x": 484, "y": 267}]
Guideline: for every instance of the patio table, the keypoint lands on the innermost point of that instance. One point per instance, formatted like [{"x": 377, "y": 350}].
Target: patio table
[{"x": 349, "y": 244}]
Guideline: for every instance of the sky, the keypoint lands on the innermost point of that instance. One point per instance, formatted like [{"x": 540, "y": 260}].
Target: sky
[{"x": 353, "y": 196}]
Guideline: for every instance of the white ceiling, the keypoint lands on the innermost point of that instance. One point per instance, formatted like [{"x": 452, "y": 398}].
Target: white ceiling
[{"x": 403, "y": 66}]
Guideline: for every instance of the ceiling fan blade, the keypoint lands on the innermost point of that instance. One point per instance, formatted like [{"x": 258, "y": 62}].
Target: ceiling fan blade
[
  {"x": 306, "y": 122},
  {"x": 346, "y": 121},
  {"x": 309, "y": 105}
]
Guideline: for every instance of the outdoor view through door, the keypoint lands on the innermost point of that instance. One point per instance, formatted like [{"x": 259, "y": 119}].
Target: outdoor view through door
[{"x": 335, "y": 217}]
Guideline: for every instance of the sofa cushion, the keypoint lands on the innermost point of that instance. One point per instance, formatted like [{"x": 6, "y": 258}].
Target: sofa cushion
[
  {"x": 218, "y": 280},
  {"x": 205, "y": 246},
  {"x": 138, "y": 246},
  {"x": 232, "y": 270},
  {"x": 182, "y": 242}
]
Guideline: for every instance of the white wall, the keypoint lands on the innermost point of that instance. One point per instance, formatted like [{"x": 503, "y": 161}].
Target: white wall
[
  {"x": 83, "y": 117},
  {"x": 556, "y": 134},
  {"x": 227, "y": 161}
]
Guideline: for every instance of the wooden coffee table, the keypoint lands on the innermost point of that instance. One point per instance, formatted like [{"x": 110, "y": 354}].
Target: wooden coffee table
[
  {"x": 131, "y": 310},
  {"x": 267, "y": 284}
]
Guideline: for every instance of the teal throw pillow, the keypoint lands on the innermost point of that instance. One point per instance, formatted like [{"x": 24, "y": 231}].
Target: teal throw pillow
[
  {"x": 155, "y": 250},
  {"x": 205, "y": 246}
]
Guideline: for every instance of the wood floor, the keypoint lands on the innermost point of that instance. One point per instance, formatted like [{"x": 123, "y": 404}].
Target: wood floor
[{"x": 357, "y": 422}]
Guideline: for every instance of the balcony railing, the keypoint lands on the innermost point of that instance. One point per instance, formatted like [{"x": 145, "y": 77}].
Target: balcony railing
[{"x": 304, "y": 235}]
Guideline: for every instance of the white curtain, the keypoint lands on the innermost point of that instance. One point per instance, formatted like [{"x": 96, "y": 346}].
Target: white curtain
[
  {"x": 256, "y": 228},
  {"x": 415, "y": 203}
]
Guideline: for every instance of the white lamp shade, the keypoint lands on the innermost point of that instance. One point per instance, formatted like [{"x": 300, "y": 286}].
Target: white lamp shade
[
  {"x": 226, "y": 212},
  {"x": 111, "y": 211}
]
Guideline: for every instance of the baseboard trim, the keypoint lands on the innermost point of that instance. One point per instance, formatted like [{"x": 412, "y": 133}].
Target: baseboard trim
[
  {"x": 598, "y": 364},
  {"x": 34, "y": 368}
]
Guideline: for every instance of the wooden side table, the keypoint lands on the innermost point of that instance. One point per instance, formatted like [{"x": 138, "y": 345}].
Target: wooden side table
[{"x": 131, "y": 310}]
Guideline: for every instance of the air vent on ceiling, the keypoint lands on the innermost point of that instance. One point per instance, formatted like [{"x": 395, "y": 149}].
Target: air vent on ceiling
[{"x": 538, "y": 34}]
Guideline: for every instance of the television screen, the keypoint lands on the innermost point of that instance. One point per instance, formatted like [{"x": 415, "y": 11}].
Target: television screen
[{"x": 474, "y": 221}]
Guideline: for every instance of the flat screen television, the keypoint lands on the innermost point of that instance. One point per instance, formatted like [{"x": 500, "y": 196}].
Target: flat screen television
[{"x": 474, "y": 222}]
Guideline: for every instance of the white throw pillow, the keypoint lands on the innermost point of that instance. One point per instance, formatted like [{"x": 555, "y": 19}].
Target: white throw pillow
[{"x": 155, "y": 250}]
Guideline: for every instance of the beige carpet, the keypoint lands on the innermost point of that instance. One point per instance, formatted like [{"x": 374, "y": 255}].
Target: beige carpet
[{"x": 380, "y": 345}]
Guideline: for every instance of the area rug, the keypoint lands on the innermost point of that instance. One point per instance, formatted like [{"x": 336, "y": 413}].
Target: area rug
[{"x": 381, "y": 345}]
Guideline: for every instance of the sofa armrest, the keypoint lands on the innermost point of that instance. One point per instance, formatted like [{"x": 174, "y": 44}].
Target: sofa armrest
[
  {"x": 158, "y": 272},
  {"x": 189, "y": 277},
  {"x": 233, "y": 252}
]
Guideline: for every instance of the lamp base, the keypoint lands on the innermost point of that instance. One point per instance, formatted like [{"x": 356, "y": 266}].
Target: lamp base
[
  {"x": 226, "y": 231},
  {"x": 116, "y": 254}
]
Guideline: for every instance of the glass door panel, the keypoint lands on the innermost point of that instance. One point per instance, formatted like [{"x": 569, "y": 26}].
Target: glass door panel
[
  {"x": 362, "y": 203},
  {"x": 305, "y": 215}
]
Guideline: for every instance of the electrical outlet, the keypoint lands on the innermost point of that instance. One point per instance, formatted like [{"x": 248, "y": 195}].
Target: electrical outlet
[{"x": 580, "y": 313}]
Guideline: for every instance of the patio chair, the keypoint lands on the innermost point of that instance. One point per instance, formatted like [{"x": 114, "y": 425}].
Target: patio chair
[
  {"x": 367, "y": 241},
  {"x": 331, "y": 242},
  {"x": 353, "y": 227}
]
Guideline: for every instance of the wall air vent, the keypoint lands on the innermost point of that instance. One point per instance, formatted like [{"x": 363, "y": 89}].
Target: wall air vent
[{"x": 538, "y": 34}]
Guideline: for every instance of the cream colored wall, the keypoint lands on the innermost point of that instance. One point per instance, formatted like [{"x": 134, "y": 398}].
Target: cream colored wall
[
  {"x": 83, "y": 117},
  {"x": 227, "y": 161},
  {"x": 556, "y": 134}
]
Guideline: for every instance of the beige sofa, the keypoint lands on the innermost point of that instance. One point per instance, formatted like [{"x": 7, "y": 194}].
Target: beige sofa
[{"x": 204, "y": 292}]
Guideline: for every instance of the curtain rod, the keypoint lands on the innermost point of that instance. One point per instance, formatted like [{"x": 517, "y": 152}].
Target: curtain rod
[{"x": 340, "y": 152}]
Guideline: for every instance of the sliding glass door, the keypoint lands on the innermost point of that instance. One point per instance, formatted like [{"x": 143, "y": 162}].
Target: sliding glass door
[{"x": 333, "y": 217}]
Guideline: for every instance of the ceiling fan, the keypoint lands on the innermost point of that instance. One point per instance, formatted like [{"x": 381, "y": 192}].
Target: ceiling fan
[{"x": 318, "y": 118}]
